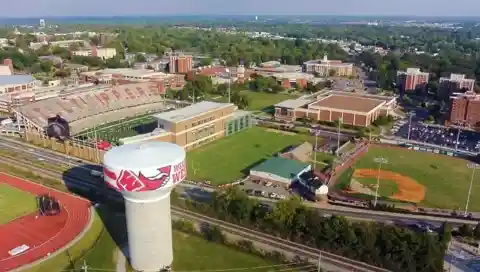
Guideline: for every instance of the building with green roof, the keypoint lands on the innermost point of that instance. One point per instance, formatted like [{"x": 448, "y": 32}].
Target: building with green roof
[{"x": 278, "y": 169}]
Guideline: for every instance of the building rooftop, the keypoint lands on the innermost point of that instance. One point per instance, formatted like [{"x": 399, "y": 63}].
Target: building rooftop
[
  {"x": 293, "y": 103},
  {"x": 341, "y": 102},
  {"x": 281, "y": 167},
  {"x": 293, "y": 75},
  {"x": 15, "y": 79},
  {"x": 191, "y": 111}
]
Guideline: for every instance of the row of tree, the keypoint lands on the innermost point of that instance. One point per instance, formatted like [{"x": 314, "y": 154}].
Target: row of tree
[{"x": 388, "y": 246}]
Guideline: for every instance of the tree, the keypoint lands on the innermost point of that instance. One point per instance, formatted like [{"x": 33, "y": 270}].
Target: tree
[
  {"x": 332, "y": 72},
  {"x": 140, "y": 58},
  {"x": 476, "y": 231},
  {"x": 445, "y": 233},
  {"x": 46, "y": 66},
  {"x": 465, "y": 230}
]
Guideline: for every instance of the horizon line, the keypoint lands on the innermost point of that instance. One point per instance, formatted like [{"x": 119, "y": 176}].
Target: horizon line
[{"x": 235, "y": 14}]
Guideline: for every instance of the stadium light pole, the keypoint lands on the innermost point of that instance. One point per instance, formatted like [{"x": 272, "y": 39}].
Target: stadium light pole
[
  {"x": 473, "y": 166},
  {"x": 315, "y": 151},
  {"x": 340, "y": 120},
  {"x": 378, "y": 160},
  {"x": 409, "y": 126},
  {"x": 229, "y": 80},
  {"x": 458, "y": 138}
]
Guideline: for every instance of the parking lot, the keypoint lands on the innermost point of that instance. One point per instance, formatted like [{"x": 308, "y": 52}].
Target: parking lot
[
  {"x": 266, "y": 189},
  {"x": 437, "y": 135}
]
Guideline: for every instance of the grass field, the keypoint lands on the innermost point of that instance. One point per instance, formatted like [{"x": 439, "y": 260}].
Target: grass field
[
  {"x": 124, "y": 128},
  {"x": 230, "y": 158},
  {"x": 193, "y": 253},
  {"x": 446, "y": 179},
  {"x": 15, "y": 203}
]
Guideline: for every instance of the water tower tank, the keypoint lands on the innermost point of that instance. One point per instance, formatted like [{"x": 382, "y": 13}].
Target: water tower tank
[{"x": 145, "y": 174}]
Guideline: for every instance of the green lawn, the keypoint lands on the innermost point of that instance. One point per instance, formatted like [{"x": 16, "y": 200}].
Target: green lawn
[
  {"x": 122, "y": 129},
  {"x": 446, "y": 179},
  {"x": 15, "y": 203},
  {"x": 193, "y": 253},
  {"x": 230, "y": 158}
]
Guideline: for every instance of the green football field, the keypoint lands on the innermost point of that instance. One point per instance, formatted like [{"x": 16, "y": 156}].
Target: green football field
[
  {"x": 227, "y": 159},
  {"x": 446, "y": 179},
  {"x": 15, "y": 203}
]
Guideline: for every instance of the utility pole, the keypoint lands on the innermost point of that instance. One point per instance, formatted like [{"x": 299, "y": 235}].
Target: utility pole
[
  {"x": 96, "y": 143},
  {"x": 319, "y": 262},
  {"x": 340, "y": 120},
  {"x": 229, "y": 82},
  {"x": 409, "y": 126},
  {"x": 378, "y": 160},
  {"x": 315, "y": 151},
  {"x": 474, "y": 166}
]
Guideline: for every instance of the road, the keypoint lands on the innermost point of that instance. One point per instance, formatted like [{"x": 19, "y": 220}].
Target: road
[
  {"x": 341, "y": 263},
  {"x": 80, "y": 170}
]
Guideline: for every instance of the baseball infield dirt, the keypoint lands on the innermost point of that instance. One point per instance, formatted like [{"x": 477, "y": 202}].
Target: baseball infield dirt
[{"x": 408, "y": 189}]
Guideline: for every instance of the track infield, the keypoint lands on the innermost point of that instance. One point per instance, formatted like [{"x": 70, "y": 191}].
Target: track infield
[
  {"x": 442, "y": 180},
  {"x": 15, "y": 203}
]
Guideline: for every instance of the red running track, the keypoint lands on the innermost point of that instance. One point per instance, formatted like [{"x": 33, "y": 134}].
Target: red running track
[{"x": 44, "y": 234}]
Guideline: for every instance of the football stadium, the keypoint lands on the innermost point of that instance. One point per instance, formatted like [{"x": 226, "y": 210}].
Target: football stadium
[{"x": 79, "y": 109}]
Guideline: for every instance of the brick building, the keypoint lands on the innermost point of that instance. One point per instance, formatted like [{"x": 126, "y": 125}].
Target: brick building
[
  {"x": 325, "y": 67},
  {"x": 180, "y": 64},
  {"x": 464, "y": 110},
  {"x": 196, "y": 124},
  {"x": 412, "y": 79},
  {"x": 352, "y": 109},
  {"x": 454, "y": 84}
]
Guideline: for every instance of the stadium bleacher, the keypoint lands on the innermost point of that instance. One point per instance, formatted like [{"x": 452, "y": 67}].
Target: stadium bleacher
[{"x": 84, "y": 108}]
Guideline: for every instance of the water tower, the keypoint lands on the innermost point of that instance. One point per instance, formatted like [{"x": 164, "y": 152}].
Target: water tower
[{"x": 145, "y": 174}]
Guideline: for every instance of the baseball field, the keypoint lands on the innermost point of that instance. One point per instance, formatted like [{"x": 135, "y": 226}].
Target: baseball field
[{"x": 428, "y": 179}]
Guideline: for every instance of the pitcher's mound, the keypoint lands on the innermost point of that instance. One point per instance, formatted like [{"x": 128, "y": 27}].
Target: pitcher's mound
[{"x": 408, "y": 189}]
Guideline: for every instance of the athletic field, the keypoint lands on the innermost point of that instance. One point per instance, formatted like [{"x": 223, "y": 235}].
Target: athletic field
[
  {"x": 425, "y": 178},
  {"x": 15, "y": 203},
  {"x": 230, "y": 158}
]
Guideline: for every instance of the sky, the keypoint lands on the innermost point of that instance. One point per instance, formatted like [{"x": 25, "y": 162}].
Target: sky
[{"x": 38, "y": 8}]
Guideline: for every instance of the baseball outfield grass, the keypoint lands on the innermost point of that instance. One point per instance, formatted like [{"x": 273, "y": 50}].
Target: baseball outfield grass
[
  {"x": 445, "y": 179},
  {"x": 15, "y": 203},
  {"x": 228, "y": 159}
]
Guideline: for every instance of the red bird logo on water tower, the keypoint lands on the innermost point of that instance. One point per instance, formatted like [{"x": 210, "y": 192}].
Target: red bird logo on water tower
[{"x": 129, "y": 181}]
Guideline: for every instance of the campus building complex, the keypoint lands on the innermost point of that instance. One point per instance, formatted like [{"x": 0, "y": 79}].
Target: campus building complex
[
  {"x": 464, "y": 110},
  {"x": 196, "y": 124},
  {"x": 454, "y": 84},
  {"x": 351, "y": 109},
  {"x": 326, "y": 67},
  {"x": 412, "y": 79}
]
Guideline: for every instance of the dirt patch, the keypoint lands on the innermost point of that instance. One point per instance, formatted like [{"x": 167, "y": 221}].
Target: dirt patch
[
  {"x": 408, "y": 189},
  {"x": 281, "y": 131}
]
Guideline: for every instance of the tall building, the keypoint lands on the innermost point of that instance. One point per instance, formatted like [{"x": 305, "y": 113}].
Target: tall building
[
  {"x": 412, "y": 79},
  {"x": 326, "y": 67},
  {"x": 465, "y": 110},
  {"x": 454, "y": 84},
  {"x": 42, "y": 23},
  {"x": 179, "y": 63}
]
